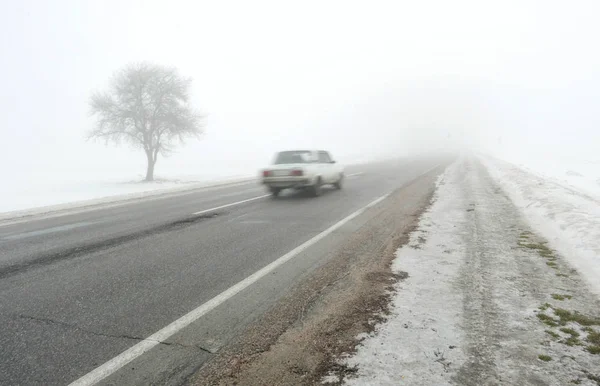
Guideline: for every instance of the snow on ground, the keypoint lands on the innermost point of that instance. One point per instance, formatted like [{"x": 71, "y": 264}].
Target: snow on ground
[
  {"x": 581, "y": 173},
  {"x": 396, "y": 355},
  {"x": 486, "y": 302},
  {"x": 45, "y": 192},
  {"x": 77, "y": 182},
  {"x": 568, "y": 218}
]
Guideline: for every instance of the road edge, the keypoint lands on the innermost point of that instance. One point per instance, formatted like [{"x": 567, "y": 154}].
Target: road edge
[
  {"x": 362, "y": 284},
  {"x": 19, "y": 216}
]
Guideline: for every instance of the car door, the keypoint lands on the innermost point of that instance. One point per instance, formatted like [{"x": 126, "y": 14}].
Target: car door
[
  {"x": 333, "y": 167},
  {"x": 327, "y": 170}
]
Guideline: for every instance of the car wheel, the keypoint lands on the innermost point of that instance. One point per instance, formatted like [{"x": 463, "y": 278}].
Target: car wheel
[
  {"x": 315, "y": 190},
  {"x": 275, "y": 191},
  {"x": 338, "y": 184}
]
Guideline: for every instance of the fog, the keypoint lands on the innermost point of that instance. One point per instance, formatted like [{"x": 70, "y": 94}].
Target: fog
[{"x": 364, "y": 80}]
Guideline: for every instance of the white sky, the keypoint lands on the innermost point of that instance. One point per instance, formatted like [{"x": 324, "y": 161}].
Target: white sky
[{"x": 358, "y": 78}]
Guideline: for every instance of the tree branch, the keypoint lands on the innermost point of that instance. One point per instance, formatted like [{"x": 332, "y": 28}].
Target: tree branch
[{"x": 148, "y": 106}]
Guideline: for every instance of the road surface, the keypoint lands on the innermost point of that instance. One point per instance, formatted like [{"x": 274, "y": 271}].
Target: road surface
[{"x": 79, "y": 289}]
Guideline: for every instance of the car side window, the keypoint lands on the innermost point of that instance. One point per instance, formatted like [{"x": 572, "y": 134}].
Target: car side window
[{"x": 324, "y": 157}]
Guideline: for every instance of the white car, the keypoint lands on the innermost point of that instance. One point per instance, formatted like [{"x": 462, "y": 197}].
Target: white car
[{"x": 302, "y": 169}]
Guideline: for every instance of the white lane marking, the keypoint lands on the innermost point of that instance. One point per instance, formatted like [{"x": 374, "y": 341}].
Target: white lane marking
[
  {"x": 355, "y": 174},
  {"x": 56, "y": 229},
  {"x": 232, "y": 204},
  {"x": 145, "y": 345}
]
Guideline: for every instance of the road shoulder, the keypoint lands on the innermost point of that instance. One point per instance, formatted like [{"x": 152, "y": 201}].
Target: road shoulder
[
  {"x": 487, "y": 301},
  {"x": 298, "y": 340}
]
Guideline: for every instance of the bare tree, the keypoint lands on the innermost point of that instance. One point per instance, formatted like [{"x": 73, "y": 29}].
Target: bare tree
[{"x": 146, "y": 106}]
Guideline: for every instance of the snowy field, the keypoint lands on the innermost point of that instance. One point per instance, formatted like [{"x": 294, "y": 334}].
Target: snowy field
[
  {"x": 96, "y": 172},
  {"x": 50, "y": 193},
  {"x": 492, "y": 296},
  {"x": 579, "y": 172},
  {"x": 79, "y": 183}
]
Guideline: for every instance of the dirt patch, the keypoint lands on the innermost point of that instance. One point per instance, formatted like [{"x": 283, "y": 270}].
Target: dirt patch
[
  {"x": 301, "y": 338},
  {"x": 385, "y": 277}
]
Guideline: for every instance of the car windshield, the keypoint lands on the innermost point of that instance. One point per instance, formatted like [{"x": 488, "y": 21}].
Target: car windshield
[{"x": 293, "y": 157}]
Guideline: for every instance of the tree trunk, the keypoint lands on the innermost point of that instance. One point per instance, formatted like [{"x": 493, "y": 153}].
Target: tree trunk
[{"x": 150, "y": 167}]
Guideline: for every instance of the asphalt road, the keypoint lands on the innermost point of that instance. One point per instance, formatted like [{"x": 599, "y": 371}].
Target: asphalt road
[{"x": 77, "y": 290}]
